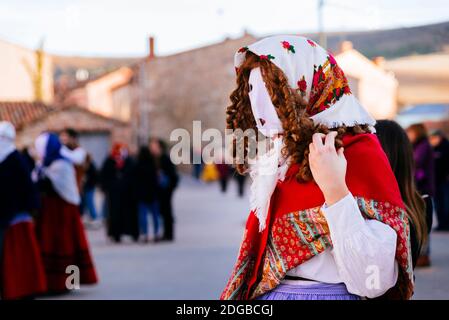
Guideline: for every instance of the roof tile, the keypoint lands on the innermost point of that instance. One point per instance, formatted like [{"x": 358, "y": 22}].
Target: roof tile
[{"x": 21, "y": 113}]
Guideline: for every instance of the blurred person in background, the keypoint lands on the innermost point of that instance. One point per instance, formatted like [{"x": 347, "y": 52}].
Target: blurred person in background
[
  {"x": 240, "y": 178},
  {"x": 424, "y": 176},
  {"x": 167, "y": 182},
  {"x": 58, "y": 224},
  {"x": 424, "y": 159},
  {"x": 147, "y": 193},
  {"x": 21, "y": 270},
  {"x": 117, "y": 180},
  {"x": 440, "y": 146},
  {"x": 399, "y": 151},
  {"x": 72, "y": 151},
  {"x": 197, "y": 168},
  {"x": 28, "y": 157},
  {"x": 224, "y": 171},
  {"x": 88, "y": 191},
  {"x": 210, "y": 172}
]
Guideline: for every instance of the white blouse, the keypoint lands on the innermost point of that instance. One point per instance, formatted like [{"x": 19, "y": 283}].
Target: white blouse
[
  {"x": 362, "y": 257},
  {"x": 76, "y": 156}
]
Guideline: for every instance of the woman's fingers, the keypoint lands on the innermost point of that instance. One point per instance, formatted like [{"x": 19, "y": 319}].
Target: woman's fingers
[
  {"x": 317, "y": 140},
  {"x": 330, "y": 140}
]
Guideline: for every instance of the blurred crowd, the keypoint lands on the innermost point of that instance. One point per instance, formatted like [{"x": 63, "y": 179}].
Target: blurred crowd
[
  {"x": 46, "y": 189},
  {"x": 135, "y": 187},
  {"x": 431, "y": 157}
]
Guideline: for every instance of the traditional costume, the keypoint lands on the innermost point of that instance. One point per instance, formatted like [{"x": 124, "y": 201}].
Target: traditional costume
[
  {"x": 60, "y": 231},
  {"x": 118, "y": 182},
  {"x": 294, "y": 245},
  {"x": 21, "y": 270}
]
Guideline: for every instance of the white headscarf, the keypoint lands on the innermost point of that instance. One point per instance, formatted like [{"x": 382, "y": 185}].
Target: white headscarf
[
  {"x": 60, "y": 172},
  {"x": 316, "y": 75},
  {"x": 7, "y": 138}
]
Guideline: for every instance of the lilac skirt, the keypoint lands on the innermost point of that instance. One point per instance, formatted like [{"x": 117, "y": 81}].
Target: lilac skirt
[{"x": 316, "y": 291}]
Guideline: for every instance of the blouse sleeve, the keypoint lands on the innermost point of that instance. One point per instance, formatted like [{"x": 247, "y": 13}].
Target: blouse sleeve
[
  {"x": 364, "y": 250},
  {"x": 77, "y": 156}
]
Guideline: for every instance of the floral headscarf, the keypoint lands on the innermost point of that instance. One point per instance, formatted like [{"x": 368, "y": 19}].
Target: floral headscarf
[{"x": 316, "y": 74}]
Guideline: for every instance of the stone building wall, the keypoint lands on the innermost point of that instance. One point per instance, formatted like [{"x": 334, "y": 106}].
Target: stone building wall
[
  {"x": 15, "y": 79},
  {"x": 193, "y": 85}
]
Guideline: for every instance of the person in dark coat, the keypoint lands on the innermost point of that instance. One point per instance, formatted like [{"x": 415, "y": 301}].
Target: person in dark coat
[
  {"x": 424, "y": 159},
  {"x": 147, "y": 188},
  {"x": 224, "y": 170},
  {"x": 424, "y": 175},
  {"x": 22, "y": 272},
  {"x": 118, "y": 185},
  {"x": 167, "y": 183},
  {"x": 26, "y": 155},
  {"x": 440, "y": 146},
  {"x": 88, "y": 189},
  {"x": 240, "y": 178},
  {"x": 197, "y": 163}
]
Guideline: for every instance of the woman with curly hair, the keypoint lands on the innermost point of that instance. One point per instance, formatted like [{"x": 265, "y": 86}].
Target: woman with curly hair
[{"x": 327, "y": 220}]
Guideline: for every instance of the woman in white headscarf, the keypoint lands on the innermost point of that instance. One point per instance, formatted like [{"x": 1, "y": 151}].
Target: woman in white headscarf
[
  {"x": 21, "y": 270},
  {"x": 60, "y": 232}
]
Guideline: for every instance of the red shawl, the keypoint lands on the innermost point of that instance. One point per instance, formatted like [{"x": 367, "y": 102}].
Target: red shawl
[{"x": 297, "y": 230}]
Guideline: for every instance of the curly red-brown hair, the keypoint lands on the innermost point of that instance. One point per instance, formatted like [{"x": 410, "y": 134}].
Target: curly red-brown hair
[{"x": 291, "y": 109}]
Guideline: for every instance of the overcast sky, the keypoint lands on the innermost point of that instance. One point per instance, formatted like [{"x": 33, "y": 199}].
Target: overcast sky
[{"x": 121, "y": 27}]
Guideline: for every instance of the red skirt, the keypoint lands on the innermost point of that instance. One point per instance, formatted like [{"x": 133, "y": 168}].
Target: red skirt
[
  {"x": 63, "y": 244},
  {"x": 22, "y": 272}
]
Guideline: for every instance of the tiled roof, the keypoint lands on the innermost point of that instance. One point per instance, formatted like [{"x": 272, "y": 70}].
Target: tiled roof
[{"x": 21, "y": 113}]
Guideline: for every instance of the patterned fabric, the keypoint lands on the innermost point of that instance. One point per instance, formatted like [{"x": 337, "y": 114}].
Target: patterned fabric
[
  {"x": 315, "y": 74},
  {"x": 298, "y": 229},
  {"x": 329, "y": 84}
]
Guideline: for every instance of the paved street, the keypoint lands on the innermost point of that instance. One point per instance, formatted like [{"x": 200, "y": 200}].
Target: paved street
[
  {"x": 433, "y": 282},
  {"x": 209, "y": 228}
]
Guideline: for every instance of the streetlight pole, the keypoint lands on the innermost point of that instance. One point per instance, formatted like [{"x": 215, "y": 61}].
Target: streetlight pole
[
  {"x": 322, "y": 34},
  {"x": 143, "y": 129}
]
